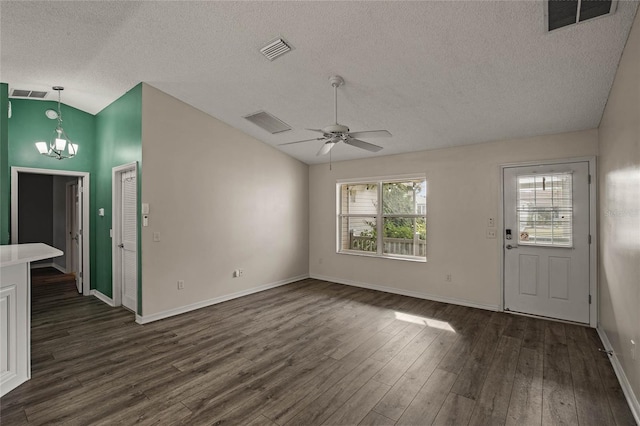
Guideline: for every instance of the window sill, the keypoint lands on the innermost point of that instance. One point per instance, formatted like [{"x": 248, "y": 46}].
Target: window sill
[{"x": 384, "y": 256}]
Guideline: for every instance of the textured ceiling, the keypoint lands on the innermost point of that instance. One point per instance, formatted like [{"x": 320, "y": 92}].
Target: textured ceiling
[{"x": 435, "y": 74}]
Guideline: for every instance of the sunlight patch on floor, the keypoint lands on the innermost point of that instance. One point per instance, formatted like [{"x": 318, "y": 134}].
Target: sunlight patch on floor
[{"x": 424, "y": 321}]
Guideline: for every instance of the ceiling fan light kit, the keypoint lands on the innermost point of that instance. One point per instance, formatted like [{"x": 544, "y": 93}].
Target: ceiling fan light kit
[{"x": 336, "y": 132}]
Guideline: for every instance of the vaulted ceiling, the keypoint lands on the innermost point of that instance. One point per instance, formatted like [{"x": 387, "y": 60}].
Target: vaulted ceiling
[{"x": 435, "y": 74}]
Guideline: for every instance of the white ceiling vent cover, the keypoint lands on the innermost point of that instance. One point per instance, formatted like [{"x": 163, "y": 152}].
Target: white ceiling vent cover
[
  {"x": 275, "y": 49},
  {"x": 20, "y": 93},
  {"x": 268, "y": 122}
]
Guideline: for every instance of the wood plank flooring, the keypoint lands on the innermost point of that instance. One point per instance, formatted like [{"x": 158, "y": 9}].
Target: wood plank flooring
[{"x": 309, "y": 353}]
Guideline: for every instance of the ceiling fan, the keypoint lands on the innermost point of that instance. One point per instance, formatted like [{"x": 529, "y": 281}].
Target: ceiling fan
[{"x": 335, "y": 133}]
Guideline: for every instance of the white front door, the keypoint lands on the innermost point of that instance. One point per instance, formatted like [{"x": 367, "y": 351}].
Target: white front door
[
  {"x": 546, "y": 240},
  {"x": 129, "y": 243}
]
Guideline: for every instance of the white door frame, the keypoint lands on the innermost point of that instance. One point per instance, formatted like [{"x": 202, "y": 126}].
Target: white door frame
[
  {"x": 116, "y": 206},
  {"x": 86, "y": 230},
  {"x": 593, "y": 248},
  {"x": 68, "y": 227}
]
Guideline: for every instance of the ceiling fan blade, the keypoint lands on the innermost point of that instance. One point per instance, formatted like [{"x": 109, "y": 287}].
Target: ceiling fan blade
[
  {"x": 306, "y": 140},
  {"x": 362, "y": 144},
  {"x": 316, "y": 130},
  {"x": 371, "y": 134},
  {"x": 326, "y": 148}
]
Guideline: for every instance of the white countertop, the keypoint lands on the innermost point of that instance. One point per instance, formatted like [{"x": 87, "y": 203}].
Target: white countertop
[{"x": 21, "y": 253}]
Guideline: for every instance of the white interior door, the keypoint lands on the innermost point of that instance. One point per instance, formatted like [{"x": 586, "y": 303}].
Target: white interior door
[
  {"x": 546, "y": 240},
  {"x": 75, "y": 231},
  {"x": 128, "y": 245}
]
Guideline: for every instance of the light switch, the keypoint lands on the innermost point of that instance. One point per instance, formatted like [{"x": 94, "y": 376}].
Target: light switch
[
  {"x": 145, "y": 220},
  {"x": 491, "y": 233},
  {"x": 145, "y": 208},
  {"x": 156, "y": 236}
]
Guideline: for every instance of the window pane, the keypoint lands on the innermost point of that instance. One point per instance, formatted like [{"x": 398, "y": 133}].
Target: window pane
[
  {"x": 545, "y": 209},
  {"x": 359, "y": 199},
  {"x": 358, "y": 233},
  {"x": 405, "y": 236},
  {"x": 408, "y": 197}
]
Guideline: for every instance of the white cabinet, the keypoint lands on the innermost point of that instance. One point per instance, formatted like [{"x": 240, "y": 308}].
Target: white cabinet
[
  {"x": 15, "y": 311},
  {"x": 15, "y": 334}
]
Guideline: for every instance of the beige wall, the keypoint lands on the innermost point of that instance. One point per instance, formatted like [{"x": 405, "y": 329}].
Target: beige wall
[
  {"x": 463, "y": 191},
  {"x": 619, "y": 184},
  {"x": 220, "y": 200}
]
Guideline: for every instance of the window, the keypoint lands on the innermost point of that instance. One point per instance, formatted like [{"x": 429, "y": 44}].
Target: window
[
  {"x": 386, "y": 218},
  {"x": 545, "y": 209}
]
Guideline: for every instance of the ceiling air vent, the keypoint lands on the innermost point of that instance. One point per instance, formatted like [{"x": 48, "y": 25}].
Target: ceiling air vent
[
  {"x": 268, "y": 122},
  {"x": 275, "y": 49},
  {"x": 562, "y": 13},
  {"x": 20, "y": 93}
]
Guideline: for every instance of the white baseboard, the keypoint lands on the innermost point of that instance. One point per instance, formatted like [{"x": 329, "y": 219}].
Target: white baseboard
[
  {"x": 410, "y": 293},
  {"x": 145, "y": 319},
  {"x": 102, "y": 297},
  {"x": 632, "y": 400}
]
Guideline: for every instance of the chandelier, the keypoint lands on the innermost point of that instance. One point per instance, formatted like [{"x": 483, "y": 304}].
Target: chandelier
[{"x": 60, "y": 146}]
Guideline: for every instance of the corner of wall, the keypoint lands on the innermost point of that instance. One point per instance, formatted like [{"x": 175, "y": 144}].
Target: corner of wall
[{"x": 4, "y": 164}]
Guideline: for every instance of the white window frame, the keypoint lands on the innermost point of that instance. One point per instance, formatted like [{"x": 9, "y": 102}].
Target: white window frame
[{"x": 379, "y": 216}]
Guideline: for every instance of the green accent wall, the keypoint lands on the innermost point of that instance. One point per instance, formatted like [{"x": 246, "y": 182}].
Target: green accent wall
[
  {"x": 111, "y": 138},
  {"x": 29, "y": 124},
  {"x": 119, "y": 141},
  {"x": 5, "y": 210}
]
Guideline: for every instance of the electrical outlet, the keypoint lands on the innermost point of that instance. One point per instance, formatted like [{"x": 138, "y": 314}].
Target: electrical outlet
[
  {"x": 180, "y": 284},
  {"x": 491, "y": 234},
  {"x": 633, "y": 350},
  {"x": 238, "y": 273},
  {"x": 491, "y": 223},
  {"x": 156, "y": 236},
  {"x": 448, "y": 277}
]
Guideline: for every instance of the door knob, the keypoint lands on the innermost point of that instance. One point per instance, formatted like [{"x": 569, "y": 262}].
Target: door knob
[
  {"x": 121, "y": 245},
  {"x": 509, "y": 247}
]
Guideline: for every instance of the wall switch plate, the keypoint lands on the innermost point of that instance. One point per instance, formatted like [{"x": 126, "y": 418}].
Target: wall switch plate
[
  {"x": 156, "y": 236},
  {"x": 491, "y": 234},
  {"x": 180, "y": 284},
  {"x": 491, "y": 223},
  {"x": 145, "y": 208}
]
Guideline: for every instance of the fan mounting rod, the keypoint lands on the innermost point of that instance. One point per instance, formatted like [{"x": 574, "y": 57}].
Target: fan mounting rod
[{"x": 336, "y": 81}]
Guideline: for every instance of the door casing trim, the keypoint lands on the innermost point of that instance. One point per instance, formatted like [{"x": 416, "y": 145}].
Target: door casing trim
[
  {"x": 593, "y": 229},
  {"x": 86, "y": 225},
  {"x": 116, "y": 206}
]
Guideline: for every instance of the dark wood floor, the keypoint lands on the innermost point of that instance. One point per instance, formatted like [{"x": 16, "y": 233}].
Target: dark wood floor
[{"x": 309, "y": 353}]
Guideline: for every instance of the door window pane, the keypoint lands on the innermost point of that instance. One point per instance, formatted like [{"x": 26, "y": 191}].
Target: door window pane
[{"x": 545, "y": 209}]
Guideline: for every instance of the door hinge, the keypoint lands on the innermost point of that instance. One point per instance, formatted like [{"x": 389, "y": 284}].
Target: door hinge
[
  {"x": 80, "y": 232},
  {"x": 589, "y": 299},
  {"x": 589, "y": 238},
  {"x": 80, "y": 274},
  {"x": 589, "y": 179}
]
